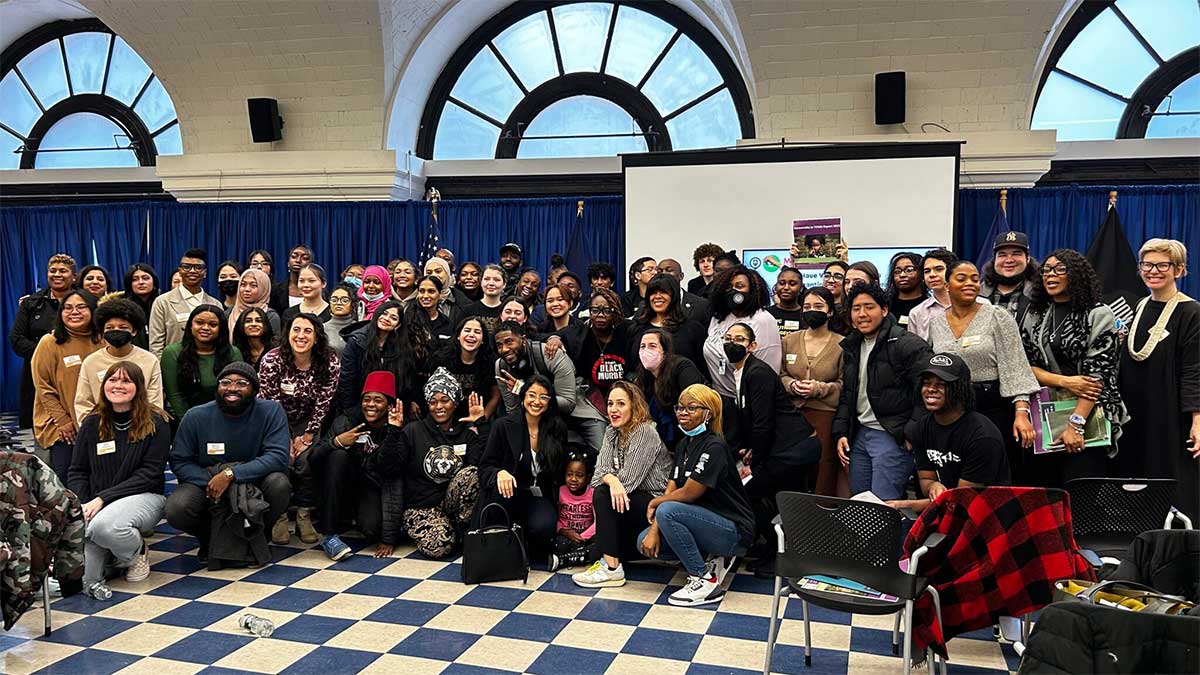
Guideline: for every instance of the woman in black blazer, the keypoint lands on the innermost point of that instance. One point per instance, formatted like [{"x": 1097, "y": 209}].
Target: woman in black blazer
[{"x": 521, "y": 467}]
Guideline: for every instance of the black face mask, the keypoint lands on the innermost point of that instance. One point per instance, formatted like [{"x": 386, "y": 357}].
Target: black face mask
[
  {"x": 228, "y": 288},
  {"x": 735, "y": 352},
  {"x": 815, "y": 318},
  {"x": 118, "y": 338},
  {"x": 738, "y": 299}
]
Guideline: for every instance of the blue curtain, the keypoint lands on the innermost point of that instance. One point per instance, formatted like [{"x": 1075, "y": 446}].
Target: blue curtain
[
  {"x": 338, "y": 232},
  {"x": 1069, "y": 217}
]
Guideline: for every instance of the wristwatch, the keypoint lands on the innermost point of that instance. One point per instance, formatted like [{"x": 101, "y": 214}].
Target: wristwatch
[
  {"x": 228, "y": 473},
  {"x": 1077, "y": 420}
]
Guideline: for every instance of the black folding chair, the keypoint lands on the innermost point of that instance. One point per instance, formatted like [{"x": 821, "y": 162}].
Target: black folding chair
[
  {"x": 854, "y": 540},
  {"x": 1108, "y": 513}
]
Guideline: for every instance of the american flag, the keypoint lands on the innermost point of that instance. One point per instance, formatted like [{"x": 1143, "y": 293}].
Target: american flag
[{"x": 432, "y": 240}]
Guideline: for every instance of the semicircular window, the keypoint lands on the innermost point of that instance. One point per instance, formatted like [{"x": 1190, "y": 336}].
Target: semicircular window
[
  {"x": 1124, "y": 69},
  {"x": 585, "y": 79},
  {"x": 78, "y": 96}
]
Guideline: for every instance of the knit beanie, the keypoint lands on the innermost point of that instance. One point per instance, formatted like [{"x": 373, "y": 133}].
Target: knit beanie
[{"x": 241, "y": 368}]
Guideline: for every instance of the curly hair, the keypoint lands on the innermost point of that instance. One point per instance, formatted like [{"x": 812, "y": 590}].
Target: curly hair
[
  {"x": 598, "y": 270},
  {"x": 663, "y": 283},
  {"x": 708, "y": 250},
  {"x": 120, "y": 308},
  {"x": 758, "y": 297},
  {"x": 189, "y": 359},
  {"x": 608, "y": 294},
  {"x": 320, "y": 349},
  {"x": 1083, "y": 284}
]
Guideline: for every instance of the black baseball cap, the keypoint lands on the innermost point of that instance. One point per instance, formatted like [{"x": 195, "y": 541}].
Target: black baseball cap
[
  {"x": 948, "y": 367},
  {"x": 510, "y": 246},
  {"x": 1011, "y": 238}
]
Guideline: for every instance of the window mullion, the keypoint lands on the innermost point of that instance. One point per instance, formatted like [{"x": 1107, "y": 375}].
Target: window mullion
[
  {"x": 145, "y": 86},
  {"x": 1137, "y": 34},
  {"x": 62, "y": 49},
  {"x": 612, "y": 27},
  {"x": 13, "y": 132},
  {"x": 21, "y": 77},
  {"x": 168, "y": 125},
  {"x": 112, "y": 42},
  {"x": 694, "y": 102},
  {"x": 511, "y": 73},
  {"x": 554, "y": 39},
  {"x": 476, "y": 112},
  {"x": 1088, "y": 83},
  {"x": 657, "y": 60}
]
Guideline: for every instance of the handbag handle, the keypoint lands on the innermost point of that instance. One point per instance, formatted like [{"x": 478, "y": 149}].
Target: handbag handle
[{"x": 483, "y": 515}]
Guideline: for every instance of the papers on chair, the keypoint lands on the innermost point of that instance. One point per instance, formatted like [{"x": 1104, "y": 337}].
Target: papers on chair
[
  {"x": 868, "y": 496},
  {"x": 824, "y": 584}
]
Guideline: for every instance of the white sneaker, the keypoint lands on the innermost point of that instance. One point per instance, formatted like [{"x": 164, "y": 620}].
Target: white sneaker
[
  {"x": 139, "y": 569},
  {"x": 697, "y": 591},
  {"x": 719, "y": 567},
  {"x": 599, "y": 576}
]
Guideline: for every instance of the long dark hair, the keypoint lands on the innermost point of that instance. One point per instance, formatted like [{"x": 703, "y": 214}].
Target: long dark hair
[
  {"x": 320, "y": 349},
  {"x": 189, "y": 359},
  {"x": 662, "y": 392},
  {"x": 1082, "y": 283},
  {"x": 61, "y": 334},
  {"x": 147, "y": 302},
  {"x": 916, "y": 259},
  {"x": 552, "y": 430},
  {"x": 407, "y": 346},
  {"x": 758, "y": 297},
  {"x": 242, "y": 342},
  {"x": 452, "y": 351},
  {"x": 663, "y": 283}
]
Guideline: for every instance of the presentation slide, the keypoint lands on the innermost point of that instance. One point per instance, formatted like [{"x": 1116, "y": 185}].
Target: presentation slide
[
  {"x": 879, "y": 196},
  {"x": 768, "y": 261}
]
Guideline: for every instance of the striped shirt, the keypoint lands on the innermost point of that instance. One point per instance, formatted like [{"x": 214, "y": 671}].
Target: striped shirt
[{"x": 642, "y": 464}]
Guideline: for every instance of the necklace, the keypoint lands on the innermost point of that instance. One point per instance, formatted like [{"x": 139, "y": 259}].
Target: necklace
[
  {"x": 122, "y": 426},
  {"x": 1157, "y": 332}
]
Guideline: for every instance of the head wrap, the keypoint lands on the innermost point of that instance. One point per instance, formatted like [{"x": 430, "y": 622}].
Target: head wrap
[
  {"x": 369, "y": 305},
  {"x": 442, "y": 382},
  {"x": 262, "y": 300}
]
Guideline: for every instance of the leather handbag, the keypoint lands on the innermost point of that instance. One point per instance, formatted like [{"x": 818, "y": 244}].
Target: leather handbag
[{"x": 494, "y": 552}]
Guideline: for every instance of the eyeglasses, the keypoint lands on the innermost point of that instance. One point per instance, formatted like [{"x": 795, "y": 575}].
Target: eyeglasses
[
  {"x": 1059, "y": 270},
  {"x": 233, "y": 384},
  {"x": 339, "y": 301},
  {"x": 741, "y": 340},
  {"x": 833, "y": 276},
  {"x": 688, "y": 409},
  {"x": 1147, "y": 266},
  {"x": 603, "y": 311},
  {"x": 904, "y": 270},
  {"x": 74, "y": 309},
  {"x": 193, "y": 267}
]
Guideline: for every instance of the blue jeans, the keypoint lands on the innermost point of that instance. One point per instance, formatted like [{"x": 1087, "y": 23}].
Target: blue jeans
[
  {"x": 687, "y": 532},
  {"x": 879, "y": 464}
]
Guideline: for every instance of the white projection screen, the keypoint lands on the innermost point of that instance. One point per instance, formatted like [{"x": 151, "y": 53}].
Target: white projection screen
[{"x": 895, "y": 195}]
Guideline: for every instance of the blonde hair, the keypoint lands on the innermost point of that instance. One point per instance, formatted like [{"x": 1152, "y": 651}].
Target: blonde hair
[
  {"x": 708, "y": 398},
  {"x": 62, "y": 259},
  {"x": 639, "y": 412},
  {"x": 1173, "y": 249}
]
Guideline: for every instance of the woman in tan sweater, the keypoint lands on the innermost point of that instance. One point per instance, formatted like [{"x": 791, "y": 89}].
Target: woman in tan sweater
[
  {"x": 56, "y": 364},
  {"x": 812, "y": 373}
]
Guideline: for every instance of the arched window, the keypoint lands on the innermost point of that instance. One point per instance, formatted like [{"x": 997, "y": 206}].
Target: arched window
[
  {"x": 1124, "y": 69},
  {"x": 77, "y": 96},
  {"x": 572, "y": 79}
]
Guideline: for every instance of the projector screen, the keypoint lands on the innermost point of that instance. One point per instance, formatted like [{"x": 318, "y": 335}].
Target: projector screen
[{"x": 893, "y": 196}]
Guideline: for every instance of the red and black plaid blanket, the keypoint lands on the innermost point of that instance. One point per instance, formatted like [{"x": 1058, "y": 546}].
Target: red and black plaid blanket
[{"x": 1004, "y": 549}]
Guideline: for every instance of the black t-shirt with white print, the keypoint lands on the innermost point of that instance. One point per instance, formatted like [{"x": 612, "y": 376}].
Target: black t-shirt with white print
[
  {"x": 971, "y": 449},
  {"x": 707, "y": 460}
]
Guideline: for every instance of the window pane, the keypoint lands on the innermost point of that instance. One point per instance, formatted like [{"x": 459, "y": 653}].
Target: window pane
[
  {"x": 127, "y": 74},
  {"x": 169, "y": 141},
  {"x": 582, "y": 30},
  {"x": 84, "y": 130},
  {"x": 684, "y": 74},
  {"x": 487, "y": 86},
  {"x": 713, "y": 123},
  {"x": 1079, "y": 112},
  {"x": 638, "y": 39},
  {"x": 581, "y": 115},
  {"x": 8, "y": 147},
  {"x": 462, "y": 135},
  {"x": 1108, "y": 54},
  {"x": 527, "y": 47},
  {"x": 155, "y": 106},
  {"x": 87, "y": 54},
  {"x": 43, "y": 70},
  {"x": 1171, "y": 26},
  {"x": 1185, "y": 98},
  {"x": 19, "y": 110}
]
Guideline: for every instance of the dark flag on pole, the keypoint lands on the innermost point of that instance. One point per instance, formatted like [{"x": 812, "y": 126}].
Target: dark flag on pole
[
  {"x": 1116, "y": 265},
  {"x": 577, "y": 258},
  {"x": 999, "y": 224},
  {"x": 432, "y": 239}
]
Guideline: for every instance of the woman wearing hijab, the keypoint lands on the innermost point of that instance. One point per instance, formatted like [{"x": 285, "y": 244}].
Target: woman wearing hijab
[
  {"x": 376, "y": 282},
  {"x": 254, "y": 290},
  {"x": 451, "y": 295}
]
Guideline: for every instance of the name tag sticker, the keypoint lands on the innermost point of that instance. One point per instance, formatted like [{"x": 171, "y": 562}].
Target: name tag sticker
[
  {"x": 791, "y": 358},
  {"x": 100, "y": 377},
  {"x": 106, "y": 448},
  {"x": 72, "y": 360},
  {"x": 791, "y": 325},
  {"x": 460, "y": 449},
  {"x": 971, "y": 341},
  {"x": 182, "y": 316},
  {"x": 903, "y": 320},
  {"x": 288, "y": 388},
  {"x": 216, "y": 448}
]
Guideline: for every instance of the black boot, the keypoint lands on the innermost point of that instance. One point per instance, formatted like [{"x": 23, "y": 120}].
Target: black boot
[{"x": 573, "y": 558}]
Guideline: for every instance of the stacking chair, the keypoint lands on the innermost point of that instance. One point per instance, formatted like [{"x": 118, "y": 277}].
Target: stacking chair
[
  {"x": 1108, "y": 513},
  {"x": 854, "y": 540}
]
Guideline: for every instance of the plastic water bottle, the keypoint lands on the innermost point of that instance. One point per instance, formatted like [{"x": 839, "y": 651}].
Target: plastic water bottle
[{"x": 257, "y": 625}]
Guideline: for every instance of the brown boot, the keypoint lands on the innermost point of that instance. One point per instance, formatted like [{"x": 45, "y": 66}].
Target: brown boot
[
  {"x": 304, "y": 526},
  {"x": 280, "y": 534}
]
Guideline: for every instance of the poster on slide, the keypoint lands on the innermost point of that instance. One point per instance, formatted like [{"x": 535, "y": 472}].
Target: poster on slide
[{"x": 817, "y": 240}]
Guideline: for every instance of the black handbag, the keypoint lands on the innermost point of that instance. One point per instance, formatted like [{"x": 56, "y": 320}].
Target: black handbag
[{"x": 494, "y": 552}]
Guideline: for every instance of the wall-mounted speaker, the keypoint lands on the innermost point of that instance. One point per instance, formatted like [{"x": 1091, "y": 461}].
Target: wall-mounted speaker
[
  {"x": 265, "y": 123},
  {"x": 889, "y": 97}
]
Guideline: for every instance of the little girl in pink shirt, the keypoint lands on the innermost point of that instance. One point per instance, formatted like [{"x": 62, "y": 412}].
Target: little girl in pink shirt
[{"x": 574, "y": 545}]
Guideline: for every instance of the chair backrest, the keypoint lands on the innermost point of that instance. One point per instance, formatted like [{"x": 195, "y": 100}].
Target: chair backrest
[
  {"x": 1119, "y": 505},
  {"x": 844, "y": 538}
]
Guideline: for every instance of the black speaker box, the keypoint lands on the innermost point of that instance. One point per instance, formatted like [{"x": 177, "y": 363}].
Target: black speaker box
[
  {"x": 889, "y": 97},
  {"x": 265, "y": 123}
]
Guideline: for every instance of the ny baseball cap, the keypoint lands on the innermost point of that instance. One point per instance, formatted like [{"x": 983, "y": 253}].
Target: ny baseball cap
[{"x": 1011, "y": 238}]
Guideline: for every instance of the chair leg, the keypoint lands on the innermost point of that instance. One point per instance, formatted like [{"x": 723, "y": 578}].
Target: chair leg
[
  {"x": 46, "y": 605},
  {"x": 1026, "y": 627},
  {"x": 807, "y": 634},
  {"x": 908, "y": 621},
  {"x": 896, "y": 636},
  {"x": 771, "y": 628},
  {"x": 937, "y": 612}
]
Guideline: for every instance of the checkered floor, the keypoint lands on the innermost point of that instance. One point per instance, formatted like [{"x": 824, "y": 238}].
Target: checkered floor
[{"x": 409, "y": 614}]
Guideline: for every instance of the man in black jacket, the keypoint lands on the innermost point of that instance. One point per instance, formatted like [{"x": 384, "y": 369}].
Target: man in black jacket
[
  {"x": 880, "y": 380},
  {"x": 35, "y": 318}
]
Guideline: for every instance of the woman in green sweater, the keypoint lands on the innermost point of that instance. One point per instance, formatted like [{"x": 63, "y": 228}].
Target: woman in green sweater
[{"x": 190, "y": 367}]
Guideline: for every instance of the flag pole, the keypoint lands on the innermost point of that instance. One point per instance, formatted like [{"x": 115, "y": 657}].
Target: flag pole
[
  {"x": 1004, "y": 200},
  {"x": 579, "y": 209}
]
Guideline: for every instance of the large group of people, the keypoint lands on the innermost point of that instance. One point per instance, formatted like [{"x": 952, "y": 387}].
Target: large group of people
[{"x": 401, "y": 401}]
